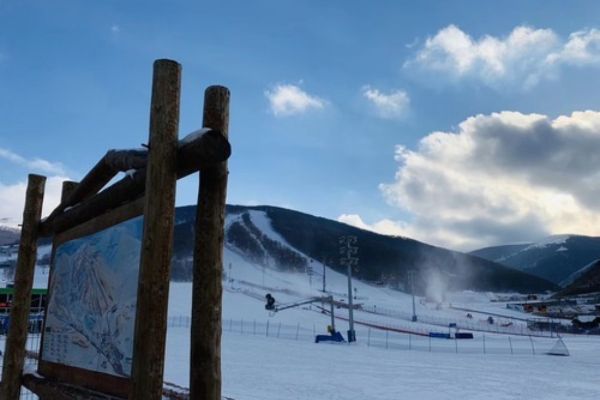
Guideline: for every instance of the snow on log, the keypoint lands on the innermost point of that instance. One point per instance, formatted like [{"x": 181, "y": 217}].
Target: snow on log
[{"x": 85, "y": 202}]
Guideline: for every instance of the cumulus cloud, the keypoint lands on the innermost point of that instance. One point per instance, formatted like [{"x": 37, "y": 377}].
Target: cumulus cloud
[
  {"x": 35, "y": 164},
  {"x": 12, "y": 196},
  {"x": 286, "y": 100},
  {"x": 523, "y": 57},
  {"x": 501, "y": 178},
  {"x": 384, "y": 226},
  {"x": 392, "y": 105},
  {"x": 12, "y": 199}
]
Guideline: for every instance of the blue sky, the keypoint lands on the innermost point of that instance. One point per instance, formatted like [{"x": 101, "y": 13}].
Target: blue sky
[{"x": 323, "y": 93}]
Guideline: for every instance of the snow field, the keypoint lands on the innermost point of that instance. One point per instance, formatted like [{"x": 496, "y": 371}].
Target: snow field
[
  {"x": 257, "y": 367},
  {"x": 381, "y": 365}
]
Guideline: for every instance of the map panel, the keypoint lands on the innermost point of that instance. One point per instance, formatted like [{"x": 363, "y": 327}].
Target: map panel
[{"x": 93, "y": 295}]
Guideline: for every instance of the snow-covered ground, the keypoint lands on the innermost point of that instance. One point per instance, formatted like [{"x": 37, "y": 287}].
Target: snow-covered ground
[
  {"x": 379, "y": 365},
  {"x": 257, "y": 367},
  {"x": 272, "y": 356}
]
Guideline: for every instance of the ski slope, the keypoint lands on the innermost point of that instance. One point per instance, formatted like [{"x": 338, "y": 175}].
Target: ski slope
[{"x": 269, "y": 368}]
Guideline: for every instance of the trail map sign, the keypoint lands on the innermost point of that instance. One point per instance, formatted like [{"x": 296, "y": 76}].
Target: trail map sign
[
  {"x": 105, "y": 326},
  {"x": 90, "y": 318}
]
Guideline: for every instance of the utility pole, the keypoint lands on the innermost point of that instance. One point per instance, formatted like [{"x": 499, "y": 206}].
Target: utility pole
[
  {"x": 347, "y": 251},
  {"x": 324, "y": 277},
  {"x": 411, "y": 277}
]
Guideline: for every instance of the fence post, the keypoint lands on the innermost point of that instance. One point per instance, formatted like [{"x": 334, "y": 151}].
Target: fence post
[
  {"x": 278, "y": 330},
  {"x": 484, "y": 343},
  {"x": 386, "y": 338},
  {"x": 409, "y": 341},
  {"x": 14, "y": 355},
  {"x": 297, "y": 330},
  {"x": 254, "y": 327},
  {"x": 242, "y": 326},
  {"x": 369, "y": 338},
  {"x": 510, "y": 344},
  {"x": 430, "y": 343},
  {"x": 484, "y": 350},
  {"x": 230, "y": 324},
  {"x": 205, "y": 349},
  {"x": 532, "y": 346},
  {"x": 456, "y": 344},
  {"x": 267, "y": 330}
]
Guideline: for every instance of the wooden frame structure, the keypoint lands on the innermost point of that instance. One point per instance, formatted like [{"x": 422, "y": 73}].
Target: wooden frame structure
[{"x": 149, "y": 191}]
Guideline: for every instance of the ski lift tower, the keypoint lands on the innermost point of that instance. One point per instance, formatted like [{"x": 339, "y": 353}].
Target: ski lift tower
[{"x": 348, "y": 250}]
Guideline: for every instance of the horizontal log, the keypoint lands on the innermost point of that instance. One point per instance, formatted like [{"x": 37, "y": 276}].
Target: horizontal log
[
  {"x": 207, "y": 144},
  {"x": 50, "y": 389},
  {"x": 47, "y": 389},
  {"x": 113, "y": 162},
  {"x": 202, "y": 152}
]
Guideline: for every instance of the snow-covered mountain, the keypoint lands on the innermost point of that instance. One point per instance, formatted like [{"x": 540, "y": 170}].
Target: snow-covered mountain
[
  {"x": 8, "y": 235},
  {"x": 293, "y": 241},
  {"x": 554, "y": 258},
  {"x": 585, "y": 280}
]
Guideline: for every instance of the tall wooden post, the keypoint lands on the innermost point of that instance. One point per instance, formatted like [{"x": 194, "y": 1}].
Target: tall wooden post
[
  {"x": 14, "y": 355},
  {"x": 205, "y": 358},
  {"x": 67, "y": 188},
  {"x": 159, "y": 218}
]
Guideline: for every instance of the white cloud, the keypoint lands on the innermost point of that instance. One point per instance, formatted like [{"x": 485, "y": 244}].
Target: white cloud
[
  {"x": 115, "y": 29},
  {"x": 286, "y": 100},
  {"x": 582, "y": 48},
  {"x": 35, "y": 164},
  {"x": 392, "y": 105},
  {"x": 12, "y": 199},
  {"x": 523, "y": 57},
  {"x": 500, "y": 178},
  {"x": 384, "y": 226},
  {"x": 12, "y": 196}
]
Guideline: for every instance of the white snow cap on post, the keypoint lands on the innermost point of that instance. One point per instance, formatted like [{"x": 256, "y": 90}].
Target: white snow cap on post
[{"x": 194, "y": 135}]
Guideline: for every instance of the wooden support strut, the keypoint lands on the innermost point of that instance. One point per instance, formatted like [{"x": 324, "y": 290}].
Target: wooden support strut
[
  {"x": 108, "y": 166},
  {"x": 14, "y": 355},
  {"x": 209, "y": 149},
  {"x": 159, "y": 219},
  {"x": 205, "y": 357}
]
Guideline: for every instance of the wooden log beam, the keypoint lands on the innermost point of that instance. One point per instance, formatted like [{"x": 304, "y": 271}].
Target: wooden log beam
[
  {"x": 112, "y": 163},
  {"x": 206, "y": 150},
  {"x": 48, "y": 389},
  {"x": 14, "y": 354},
  {"x": 157, "y": 244},
  {"x": 53, "y": 390},
  {"x": 68, "y": 187},
  {"x": 205, "y": 357}
]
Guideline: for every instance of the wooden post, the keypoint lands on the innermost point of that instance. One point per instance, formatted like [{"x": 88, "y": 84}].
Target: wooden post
[
  {"x": 205, "y": 357},
  {"x": 157, "y": 245},
  {"x": 68, "y": 187},
  {"x": 14, "y": 354}
]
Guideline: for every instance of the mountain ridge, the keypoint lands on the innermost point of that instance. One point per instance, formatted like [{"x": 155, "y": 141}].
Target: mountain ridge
[
  {"x": 382, "y": 259},
  {"x": 553, "y": 258},
  {"x": 9, "y": 235}
]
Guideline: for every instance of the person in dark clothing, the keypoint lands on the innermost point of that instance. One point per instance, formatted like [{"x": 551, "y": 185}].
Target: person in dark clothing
[{"x": 270, "y": 302}]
